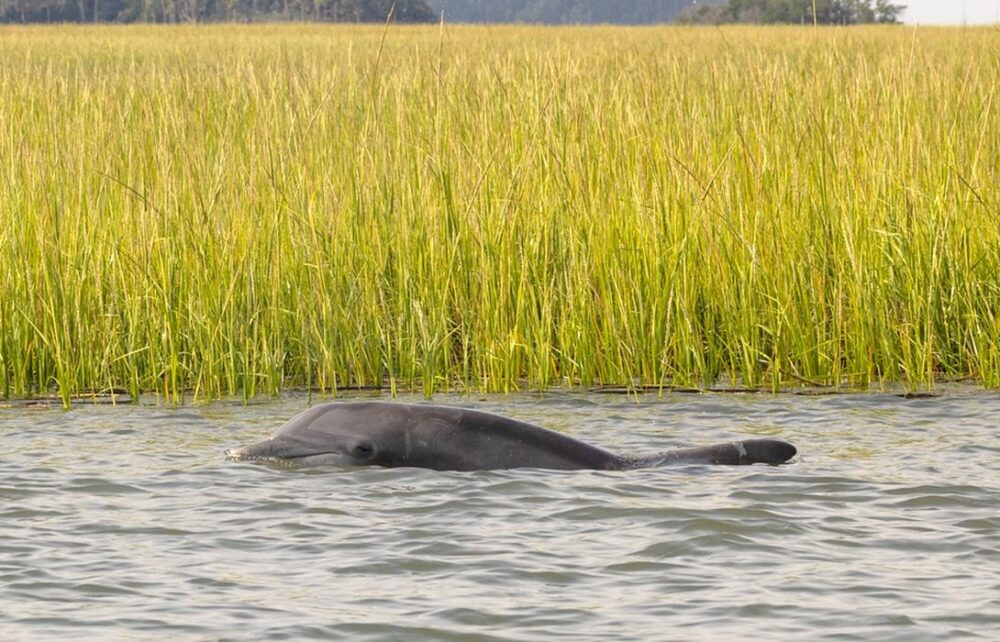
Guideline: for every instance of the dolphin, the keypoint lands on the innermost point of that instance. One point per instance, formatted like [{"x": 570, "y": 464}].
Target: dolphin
[{"x": 378, "y": 433}]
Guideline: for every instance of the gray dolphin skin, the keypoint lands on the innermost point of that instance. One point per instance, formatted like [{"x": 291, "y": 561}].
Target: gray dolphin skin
[{"x": 377, "y": 433}]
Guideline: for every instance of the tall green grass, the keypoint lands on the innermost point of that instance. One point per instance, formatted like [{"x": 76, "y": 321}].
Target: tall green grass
[{"x": 238, "y": 210}]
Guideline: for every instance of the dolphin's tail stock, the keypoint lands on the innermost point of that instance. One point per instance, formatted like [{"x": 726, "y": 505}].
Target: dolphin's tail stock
[{"x": 736, "y": 453}]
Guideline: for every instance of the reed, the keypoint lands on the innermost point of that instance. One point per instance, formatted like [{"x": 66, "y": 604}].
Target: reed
[{"x": 237, "y": 210}]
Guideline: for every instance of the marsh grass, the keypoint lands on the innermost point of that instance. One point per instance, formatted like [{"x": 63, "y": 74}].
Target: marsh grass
[{"x": 237, "y": 210}]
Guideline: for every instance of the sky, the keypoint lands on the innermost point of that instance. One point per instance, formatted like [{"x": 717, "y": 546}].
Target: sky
[{"x": 951, "y": 12}]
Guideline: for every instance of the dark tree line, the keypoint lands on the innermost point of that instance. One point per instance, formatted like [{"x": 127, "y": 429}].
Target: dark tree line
[
  {"x": 527, "y": 11},
  {"x": 211, "y": 10},
  {"x": 562, "y": 11},
  {"x": 826, "y": 12}
]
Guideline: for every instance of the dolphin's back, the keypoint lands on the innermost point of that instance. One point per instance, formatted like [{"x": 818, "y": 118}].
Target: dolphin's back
[{"x": 446, "y": 438}]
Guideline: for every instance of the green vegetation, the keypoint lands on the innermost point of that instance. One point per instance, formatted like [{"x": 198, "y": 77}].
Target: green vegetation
[
  {"x": 824, "y": 12},
  {"x": 238, "y": 210}
]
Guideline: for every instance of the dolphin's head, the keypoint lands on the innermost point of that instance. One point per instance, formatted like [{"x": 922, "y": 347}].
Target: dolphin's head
[{"x": 342, "y": 434}]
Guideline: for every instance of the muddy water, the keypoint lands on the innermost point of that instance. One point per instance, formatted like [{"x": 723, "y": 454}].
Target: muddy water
[{"x": 127, "y": 523}]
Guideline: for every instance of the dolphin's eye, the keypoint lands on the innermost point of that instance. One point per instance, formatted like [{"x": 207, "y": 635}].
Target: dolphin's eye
[{"x": 363, "y": 450}]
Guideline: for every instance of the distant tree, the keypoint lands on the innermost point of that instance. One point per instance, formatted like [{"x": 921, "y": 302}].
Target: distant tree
[
  {"x": 827, "y": 12},
  {"x": 888, "y": 12},
  {"x": 562, "y": 11},
  {"x": 36, "y": 11},
  {"x": 206, "y": 10}
]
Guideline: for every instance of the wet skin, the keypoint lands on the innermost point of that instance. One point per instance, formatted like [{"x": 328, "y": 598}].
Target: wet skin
[{"x": 376, "y": 433}]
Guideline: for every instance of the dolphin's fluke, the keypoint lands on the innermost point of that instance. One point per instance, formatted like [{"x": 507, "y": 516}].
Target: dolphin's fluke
[
  {"x": 767, "y": 451},
  {"x": 737, "y": 453}
]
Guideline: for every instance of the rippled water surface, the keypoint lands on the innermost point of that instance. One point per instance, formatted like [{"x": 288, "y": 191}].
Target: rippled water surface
[{"x": 127, "y": 523}]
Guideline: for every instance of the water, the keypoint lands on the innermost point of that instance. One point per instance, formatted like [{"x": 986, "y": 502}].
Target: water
[{"x": 126, "y": 523}]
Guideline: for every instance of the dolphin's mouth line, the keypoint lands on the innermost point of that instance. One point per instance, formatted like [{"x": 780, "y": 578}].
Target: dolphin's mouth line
[
  {"x": 315, "y": 454},
  {"x": 237, "y": 456}
]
